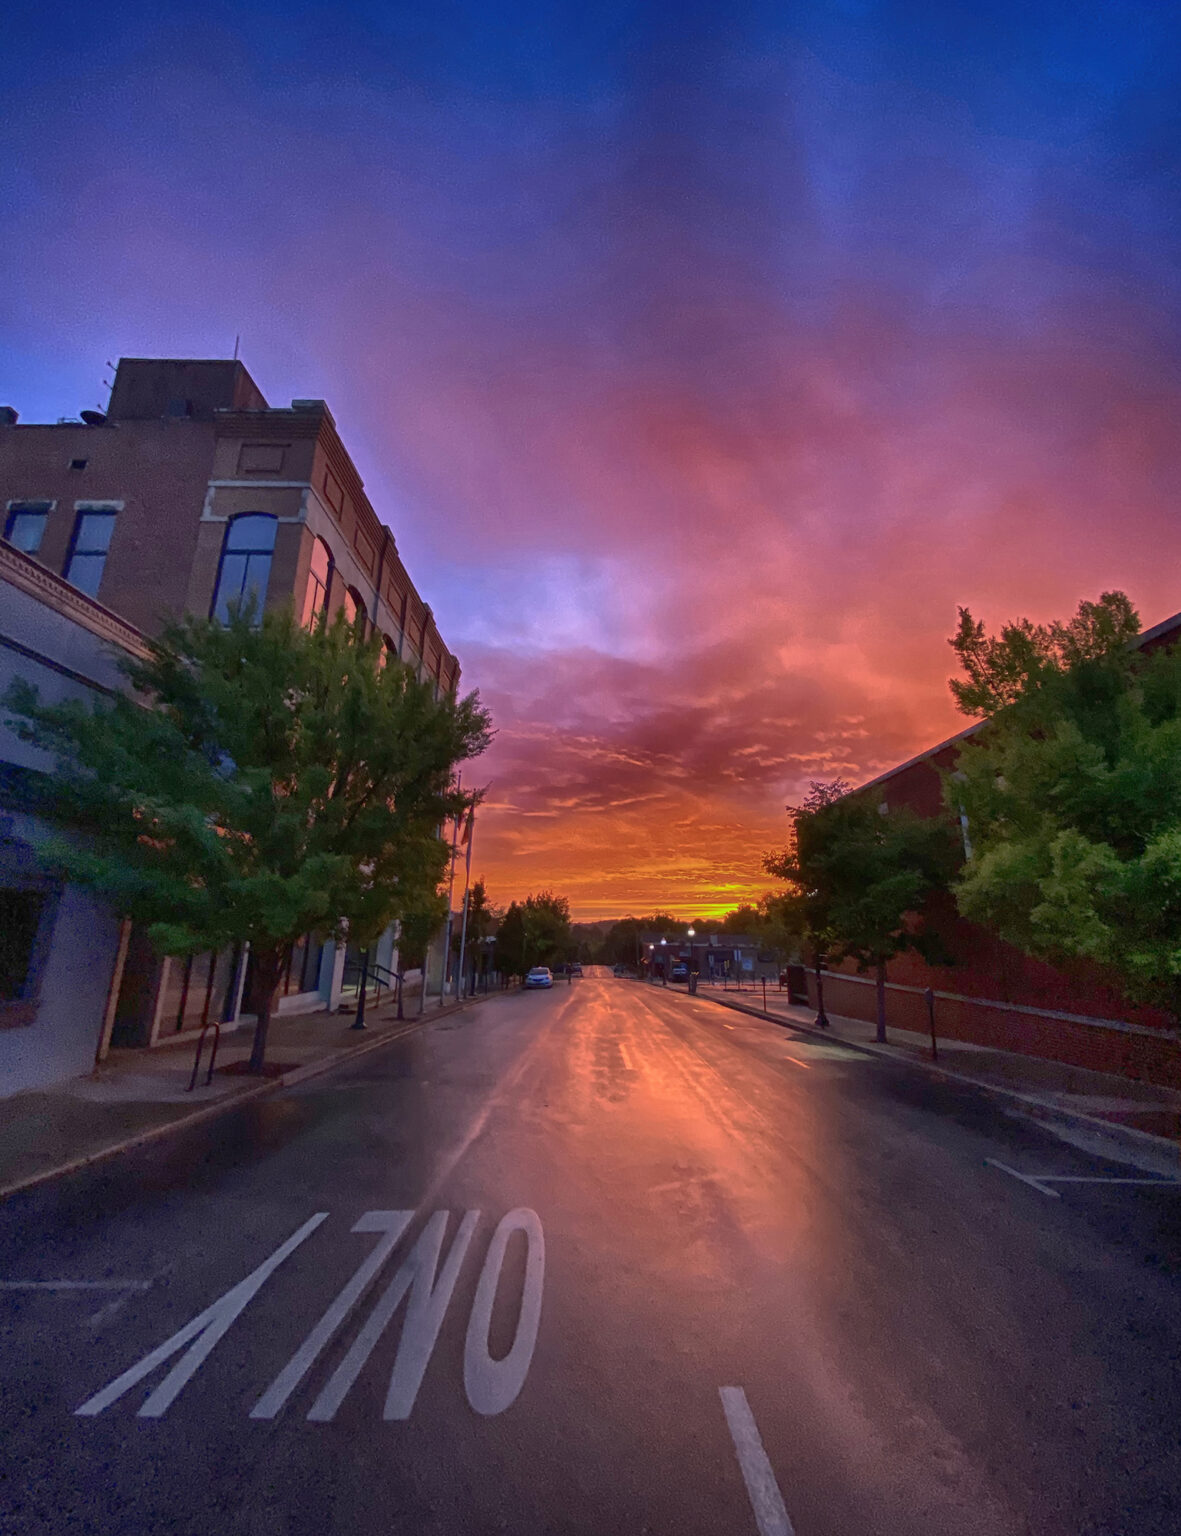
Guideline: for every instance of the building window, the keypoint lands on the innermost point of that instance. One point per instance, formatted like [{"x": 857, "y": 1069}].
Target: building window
[
  {"x": 354, "y": 606},
  {"x": 245, "y": 564},
  {"x": 25, "y": 527},
  {"x": 20, "y": 922},
  {"x": 88, "y": 552},
  {"x": 319, "y": 581}
]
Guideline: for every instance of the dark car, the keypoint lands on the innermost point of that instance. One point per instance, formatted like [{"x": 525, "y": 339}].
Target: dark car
[{"x": 680, "y": 971}]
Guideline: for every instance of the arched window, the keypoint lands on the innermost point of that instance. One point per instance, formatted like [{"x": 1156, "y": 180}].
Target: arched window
[
  {"x": 245, "y": 563},
  {"x": 319, "y": 580},
  {"x": 354, "y": 606},
  {"x": 388, "y": 652}
]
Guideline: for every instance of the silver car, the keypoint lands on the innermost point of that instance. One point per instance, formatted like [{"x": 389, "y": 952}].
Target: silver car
[{"x": 540, "y": 976}]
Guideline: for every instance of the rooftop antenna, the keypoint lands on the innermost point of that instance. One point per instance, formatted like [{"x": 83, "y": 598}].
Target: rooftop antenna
[{"x": 237, "y": 339}]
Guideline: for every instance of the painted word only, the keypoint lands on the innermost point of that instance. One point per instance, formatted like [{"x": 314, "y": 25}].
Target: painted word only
[{"x": 425, "y": 1280}]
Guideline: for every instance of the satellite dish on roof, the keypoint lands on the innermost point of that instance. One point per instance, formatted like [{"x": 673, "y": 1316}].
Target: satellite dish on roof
[{"x": 93, "y": 418}]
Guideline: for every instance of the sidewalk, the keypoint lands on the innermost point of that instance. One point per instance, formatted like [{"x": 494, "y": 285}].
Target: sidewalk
[
  {"x": 1138, "y": 1114},
  {"x": 139, "y": 1095}
]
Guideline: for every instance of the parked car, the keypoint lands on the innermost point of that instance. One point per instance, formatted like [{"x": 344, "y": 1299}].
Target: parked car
[
  {"x": 680, "y": 971},
  {"x": 576, "y": 969},
  {"x": 540, "y": 976}
]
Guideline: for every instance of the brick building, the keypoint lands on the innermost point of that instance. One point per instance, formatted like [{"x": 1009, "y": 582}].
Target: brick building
[
  {"x": 189, "y": 493},
  {"x": 994, "y": 994}
]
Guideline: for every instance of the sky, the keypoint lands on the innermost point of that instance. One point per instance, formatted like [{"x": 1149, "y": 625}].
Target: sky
[{"x": 702, "y": 356}]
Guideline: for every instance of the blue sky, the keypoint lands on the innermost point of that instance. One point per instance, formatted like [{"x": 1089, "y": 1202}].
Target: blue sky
[{"x": 702, "y": 357}]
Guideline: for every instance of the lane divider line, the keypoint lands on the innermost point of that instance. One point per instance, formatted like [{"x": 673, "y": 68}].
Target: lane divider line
[
  {"x": 807, "y": 1065},
  {"x": 765, "y": 1497}
]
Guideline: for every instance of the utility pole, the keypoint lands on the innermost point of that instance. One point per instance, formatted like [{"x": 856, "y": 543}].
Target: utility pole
[
  {"x": 469, "y": 838},
  {"x": 450, "y": 893}
]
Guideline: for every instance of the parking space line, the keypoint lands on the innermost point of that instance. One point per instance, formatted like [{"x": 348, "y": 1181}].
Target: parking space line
[
  {"x": 625, "y": 1058},
  {"x": 75, "y": 1285},
  {"x": 1102, "y": 1178},
  {"x": 807, "y": 1065},
  {"x": 1025, "y": 1178},
  {"x": 1042, "y": 1181},
  {"x": 765, "y": 1497}
]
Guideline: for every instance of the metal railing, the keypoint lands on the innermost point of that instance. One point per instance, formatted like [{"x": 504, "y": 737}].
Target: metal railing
[{"x": 371, "y": 980}]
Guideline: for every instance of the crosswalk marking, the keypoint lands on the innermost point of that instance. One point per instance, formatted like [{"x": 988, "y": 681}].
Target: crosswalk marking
[
  {"x": 205, "y": 1330},
  {"x": 393, "y": 1224}
]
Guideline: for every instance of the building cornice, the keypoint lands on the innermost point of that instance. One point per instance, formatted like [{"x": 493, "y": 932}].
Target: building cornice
[{"x": 29, "y": 576}]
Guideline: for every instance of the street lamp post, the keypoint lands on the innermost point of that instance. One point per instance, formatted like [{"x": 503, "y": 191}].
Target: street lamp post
[{"x": 664, "y": 963}]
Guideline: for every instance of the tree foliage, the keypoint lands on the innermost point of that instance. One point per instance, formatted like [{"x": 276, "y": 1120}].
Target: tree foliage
[
  {"x": 1073, "y": 801},
  {"x": 858, "y": 875},
  {"x": 536, "y": 931},
  {"x": 1001, "y": 669},
  {"x": 264, "y": 781}
]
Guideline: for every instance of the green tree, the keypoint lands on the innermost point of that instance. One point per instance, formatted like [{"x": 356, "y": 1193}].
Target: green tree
[
  {"x": 263, "y": 782},
  {"x": 511, "y": 942},
  {"x": 1001, "y": 669},
  {"x": 417, "y": 927},
  {"x": 536, "y": 931},
  {"x": 858, "y": 877},
  {"x": 1072, "y": 796}
]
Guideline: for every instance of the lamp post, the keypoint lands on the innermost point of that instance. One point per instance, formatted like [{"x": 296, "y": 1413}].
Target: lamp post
[
  {"x": 664, "y": 963},
  {"x": 690, "y": 934}
]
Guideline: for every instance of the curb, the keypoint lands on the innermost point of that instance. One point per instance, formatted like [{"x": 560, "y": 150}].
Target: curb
[
  {"x": 300, "y": 1074},
  {"x": 1049, "y": 1110}
]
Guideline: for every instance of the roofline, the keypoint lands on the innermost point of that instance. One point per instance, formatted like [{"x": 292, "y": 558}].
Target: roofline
[{"x": 1142, "y": 639}]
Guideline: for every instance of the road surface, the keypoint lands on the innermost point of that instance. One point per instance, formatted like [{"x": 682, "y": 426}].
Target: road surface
[{"x": 602, "y": 1259}]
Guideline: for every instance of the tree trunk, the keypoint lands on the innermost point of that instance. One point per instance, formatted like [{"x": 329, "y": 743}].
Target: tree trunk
[
  {"x": 268, "y": 970},
  {"x": 881, "y": 994},
  {"x": 821, "y": 1016}
]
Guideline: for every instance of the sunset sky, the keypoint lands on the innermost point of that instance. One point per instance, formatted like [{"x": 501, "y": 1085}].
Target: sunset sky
[{"x": 702, "y": 357}]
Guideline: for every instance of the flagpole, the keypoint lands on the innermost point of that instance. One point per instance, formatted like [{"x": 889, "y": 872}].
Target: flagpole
[{"x": 469, "y": 839}]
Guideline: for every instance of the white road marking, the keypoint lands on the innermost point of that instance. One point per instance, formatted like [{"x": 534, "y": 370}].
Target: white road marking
[
  {"x": 424, "y": 1317},
  {"x": 1075, "y": 1178},
  {"x": 393, "y": 1224},
  {"x": 1042, "y": 1181},
  {"x": 494, "y": 1385},
  {"x": 1024, "y": 1177},
  {"x": 75, "y": 1285},
  {"x": 807, "y": 1065},
  {"x": 205, "y": 1330},
  {"x": 626, "y": 1059},
  {"x": 765, "y": 1498}
]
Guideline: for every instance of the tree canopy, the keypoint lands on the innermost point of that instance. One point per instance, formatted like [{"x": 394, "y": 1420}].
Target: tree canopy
[
  {"x": 1073, "y": 801},
  {"x": 858, "y": 874},
  {"x": 535, "y": 931},
  {"x": 1001, "y": 669},
  {"x": 263, "y": 781}
]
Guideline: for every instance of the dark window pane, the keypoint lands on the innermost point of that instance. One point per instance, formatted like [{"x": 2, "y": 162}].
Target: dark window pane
[
  {"x": 93, "y": 534},
  {"x": 254, "y": 531},
  {"x": 26, "y": 528},
  {"x": 86, "y": 573},
  {"x": 20, "y": 917},
  {"x": 242, "y": 576}
]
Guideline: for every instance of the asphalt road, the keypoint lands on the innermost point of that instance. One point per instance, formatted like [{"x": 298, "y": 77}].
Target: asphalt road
[{"x": 722, "y": 1278}]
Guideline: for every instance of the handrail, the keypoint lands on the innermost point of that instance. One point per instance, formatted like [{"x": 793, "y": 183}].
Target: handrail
[{"x": 215, "y": 1026}]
